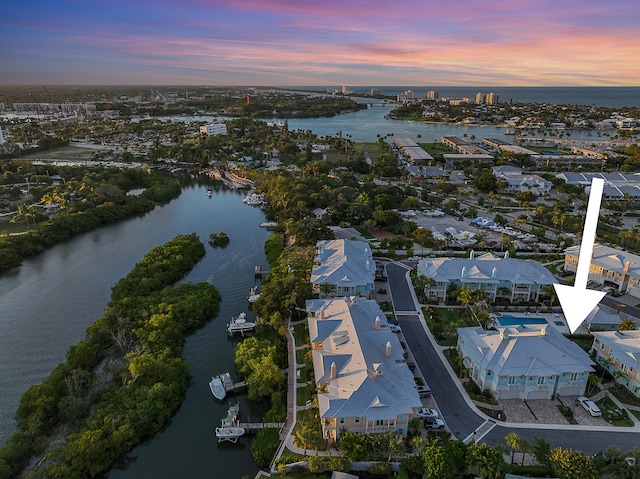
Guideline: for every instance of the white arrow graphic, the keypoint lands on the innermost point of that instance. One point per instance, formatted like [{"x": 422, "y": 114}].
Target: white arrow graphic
[{"x": 577, "y": 301}]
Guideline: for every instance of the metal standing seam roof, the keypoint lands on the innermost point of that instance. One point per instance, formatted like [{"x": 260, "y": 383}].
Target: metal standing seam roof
[
  {"x": 486, "y": 268},
  {"x": 343, "y": 262},
  {"x": 368, "y": 383},
  {"x": 623, "y": 345},
  {"x": 525, "y": 350},
  {"x": 611, "y": 259}
]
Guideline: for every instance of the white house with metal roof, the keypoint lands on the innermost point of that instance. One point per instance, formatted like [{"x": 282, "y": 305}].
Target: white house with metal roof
[
  {"x": 517, "y": 181},
  {"x": 343, "y": 267},
  {"x": 609, "y": 266},
  {"x": 517, "y": 280},
  {"x": 529, "y": 361},
  {"x": 364, "y": 383},
  {"x": 619, "y": 352}
]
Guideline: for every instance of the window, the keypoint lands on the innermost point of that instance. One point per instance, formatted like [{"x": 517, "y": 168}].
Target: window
[
  {"x": 512, "y": 379},
  {"x": 341, "y": 420},
  {"x": 401, "y": 417},
  {"x": 541, "y": 379},
  {"x": 574, "y": 376},
  {"x": 356, "y": 420}
]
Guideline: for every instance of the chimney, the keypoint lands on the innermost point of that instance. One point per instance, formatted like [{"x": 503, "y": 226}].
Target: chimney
[
  {"x": 321, "y": 313},
  {"x": 506, "y": 255},
  {"x": 627, "y": 264},
  {"x": 463, "y": 273},
  {"x": 333, "y": 371},
  {"x": 494, "y": 271},
  {"x": 472, "y": 254},
  {"x": 377, "y": 322},
  {"x": 387, "y": 349},
  {"x": 367, "y": 265}
]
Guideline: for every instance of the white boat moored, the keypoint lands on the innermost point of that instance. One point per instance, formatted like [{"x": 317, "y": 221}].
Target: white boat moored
[
  {"x": 217, "y": 388},
  {"x": 239, "y": 324}
]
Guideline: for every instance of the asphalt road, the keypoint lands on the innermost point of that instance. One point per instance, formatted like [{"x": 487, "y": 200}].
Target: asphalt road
[{"x": 460, "y": 418}]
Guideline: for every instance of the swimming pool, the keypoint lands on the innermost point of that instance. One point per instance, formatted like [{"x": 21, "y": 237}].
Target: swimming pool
[{"x": 507, "y": 320}]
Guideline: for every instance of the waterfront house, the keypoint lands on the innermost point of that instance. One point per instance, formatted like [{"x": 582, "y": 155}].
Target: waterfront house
[
  {"x": 619, "y": 353},
  {"x": 529, "y": 361},
  {"x": 364, "y": 383},
  {"x": 343, "y": 267}
]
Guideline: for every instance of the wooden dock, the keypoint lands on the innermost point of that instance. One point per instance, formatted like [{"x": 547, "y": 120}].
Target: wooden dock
[
  {"x": 255, "y": 426},
  {"x": 229, "y": 385}
]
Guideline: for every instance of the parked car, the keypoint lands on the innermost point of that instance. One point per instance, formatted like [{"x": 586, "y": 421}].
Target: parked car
[
  {"x": 591, "y": 407},
  {"x": 426, "y": 412},
  {"x": 433, "y": 423},
  {"x": 423, "y": 391},
  {"x": 411, "y": 365},
  {"x": 395, "y": 328}
]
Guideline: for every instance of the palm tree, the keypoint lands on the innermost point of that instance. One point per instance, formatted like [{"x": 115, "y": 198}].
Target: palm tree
[
  {"x": 513, "y": 441},
  {"x": 627, "y": 324},
  {"x": 326, "y": 289},
  {"x": 465, "y": 296}
]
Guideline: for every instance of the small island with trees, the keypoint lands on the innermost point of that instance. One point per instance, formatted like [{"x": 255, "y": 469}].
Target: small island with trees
[
  {"x": 124, "y": 381},
  {"x": 219, "y": 240}
]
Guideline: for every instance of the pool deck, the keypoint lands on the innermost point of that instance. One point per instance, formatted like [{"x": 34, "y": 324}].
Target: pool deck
[{"x": 558, "y": 321}]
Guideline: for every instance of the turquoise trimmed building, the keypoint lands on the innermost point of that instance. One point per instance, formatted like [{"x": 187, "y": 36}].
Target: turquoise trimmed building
[{"x": 524, "y": 362}]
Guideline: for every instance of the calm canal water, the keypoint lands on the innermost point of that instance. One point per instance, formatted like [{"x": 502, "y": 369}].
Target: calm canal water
[{"x": 47, "y": 304}]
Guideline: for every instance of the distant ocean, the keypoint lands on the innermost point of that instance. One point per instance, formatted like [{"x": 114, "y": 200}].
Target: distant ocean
[{"x": 614, "y": 97}]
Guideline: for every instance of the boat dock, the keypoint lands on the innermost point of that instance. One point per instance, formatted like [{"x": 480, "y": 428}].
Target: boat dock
[
  {"x": 229, "y": 385},
  {"x": 256, "y": 426}
]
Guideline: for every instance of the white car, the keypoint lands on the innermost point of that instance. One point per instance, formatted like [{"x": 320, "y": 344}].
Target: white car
[
  {"x": 433, "y": 423},
  {"x": 394, "y": 328},
  {"x": 591, "y": 407},
  {"x": 426, "y": 412}
]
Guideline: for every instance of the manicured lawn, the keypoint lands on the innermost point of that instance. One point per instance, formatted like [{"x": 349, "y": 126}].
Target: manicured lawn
[
  {"x": 612, "y": 414},
  {"x": 300, "y": 334},
  {"x": 300, "y": 356},
  {"x": 443, "y": 323},
  {"x": 304, "y": 375},
  {"x": 305, "y": 393}
]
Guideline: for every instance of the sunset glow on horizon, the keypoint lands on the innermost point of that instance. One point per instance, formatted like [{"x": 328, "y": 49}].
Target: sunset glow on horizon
[{"x": 304, "y": 43}]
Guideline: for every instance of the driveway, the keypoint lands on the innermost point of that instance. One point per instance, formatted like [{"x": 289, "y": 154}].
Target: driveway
[{"x": 462, "y": 418}]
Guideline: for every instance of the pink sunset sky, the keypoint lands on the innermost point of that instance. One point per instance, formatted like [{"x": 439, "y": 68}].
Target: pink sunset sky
[{"x": 307, "y": 42}]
